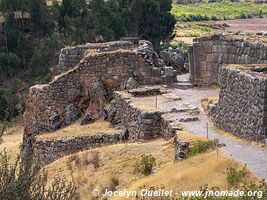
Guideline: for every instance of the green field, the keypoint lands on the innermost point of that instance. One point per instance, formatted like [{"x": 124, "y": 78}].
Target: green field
[{"x": 218, "y": 11}]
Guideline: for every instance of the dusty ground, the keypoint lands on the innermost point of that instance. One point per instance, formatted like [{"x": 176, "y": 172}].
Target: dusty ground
[
  {"x": 186, "y": 30},
  {"x": 246, "y": 25}
]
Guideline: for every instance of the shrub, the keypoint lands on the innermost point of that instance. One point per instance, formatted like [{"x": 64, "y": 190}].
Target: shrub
[
  {"x": 9, "y": 64},
  {"x": 23, "y": 179},
  {"x": 202, "y": 147},
  {"x": 243, "y": 16},
  {"x": 234, "y": 177},
  {"x": 145, "y": 165}
]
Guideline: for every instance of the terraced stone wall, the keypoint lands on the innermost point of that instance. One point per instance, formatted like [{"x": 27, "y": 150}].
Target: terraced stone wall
[{"x": 71, "y": 56}]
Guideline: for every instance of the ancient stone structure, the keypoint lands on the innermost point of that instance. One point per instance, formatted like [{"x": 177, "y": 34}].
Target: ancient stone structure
[
  {"x": 207, "y": 54},
  {"x": 242, "y": 107},
  {"x": 132, "y": 123},
  {"x": 141, "y": 124},
  {"x": 48, "y": 151},
  {"x": 181, "y": 149},
  {"x": 89, "y": 74}
]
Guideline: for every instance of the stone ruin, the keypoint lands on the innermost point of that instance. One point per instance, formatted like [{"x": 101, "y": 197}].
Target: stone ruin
[
  {"x": 207, "y": 54},
  {"x": 86, "y": 77},
  {"x": 241, "y": 108},
  {"x": 227, "y": 61}
]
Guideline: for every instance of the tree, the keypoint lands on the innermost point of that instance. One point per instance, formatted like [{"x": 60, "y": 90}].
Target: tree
[
  {"x": 148, "y": 19},
  {"x": 40, "y": 17},
  {"x": 23, "y": 179}
]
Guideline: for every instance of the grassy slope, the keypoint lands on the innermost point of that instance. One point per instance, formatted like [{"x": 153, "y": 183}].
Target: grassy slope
[
  {"x": 116, "y": 165},
  {"x": 222, "y": 10}
]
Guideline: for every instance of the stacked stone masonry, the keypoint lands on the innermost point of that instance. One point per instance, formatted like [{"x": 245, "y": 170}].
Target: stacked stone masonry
[
  {"x": 141, "y": 124},
  {"x": 84, "y": 87},
  {"x": 242, "y": 104},
  {"x": 207, "y": 54},
  {"x": 47, "y": 151},
  {"x": 137, "y": 124},
  {"x": 71, "y": 56}
]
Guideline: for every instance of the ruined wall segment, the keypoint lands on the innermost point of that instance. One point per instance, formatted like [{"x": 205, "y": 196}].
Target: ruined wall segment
[
  {"x": 141, "y": 124},
  {"x": 71, "y": 56},
  {"x": 84, "y": 88},
  {"x": 208, "y": 53},
  {"x": 242, "y": 101},
  {"x": 47, "y": 151}
]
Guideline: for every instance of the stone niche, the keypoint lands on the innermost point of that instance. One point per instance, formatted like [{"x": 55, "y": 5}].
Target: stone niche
[
  {"x": 242, "y": 108},
  {"x": 89, "y": 74},
  {"x": 209, "y": 53}
]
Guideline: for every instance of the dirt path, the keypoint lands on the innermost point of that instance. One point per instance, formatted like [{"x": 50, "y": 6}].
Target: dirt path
[{"x": 255, "y": 157}]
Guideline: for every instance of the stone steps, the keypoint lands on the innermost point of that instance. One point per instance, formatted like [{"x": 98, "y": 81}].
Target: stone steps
[
  {"x": 183, "y": 86},
  {"x": 183, "y": 82}
]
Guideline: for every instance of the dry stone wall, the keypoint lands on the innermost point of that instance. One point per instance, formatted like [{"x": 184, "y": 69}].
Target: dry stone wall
[
  {"x": 207, "y": 54},
  {"x": 140, "y": 124},
  {"x": 83, "y": 88},
  {"x": 71, "y": 56},
  {"x": 56, "y": 104},
  {"x": 47, "y": 151},
  {"x": 241, "y": 108}
]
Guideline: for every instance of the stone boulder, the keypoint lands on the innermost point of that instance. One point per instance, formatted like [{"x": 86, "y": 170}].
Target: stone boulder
[
  {"x": 87, "y": 120},
  {"x": 131, "y": 83},
  {"x": 175, "y": 58},
  {"x": 97, "y": 99},
  {"x": 55, "y": 121},
  {"x": 112, "y": 113},
  {"x": 72, "y": 113},
  {"x": 181, "y": 149},
  {"x": 125, "y": 134}
]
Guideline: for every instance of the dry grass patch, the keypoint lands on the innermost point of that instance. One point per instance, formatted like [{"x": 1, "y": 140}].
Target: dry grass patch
[
  {"x": 116, "y": 164},
  {"x": 98, "y": 127},
  {"x": 190, "y": 137},
  {"x": 12, "y": 139},
  {"x": 112, "y": 167},
  {"x": 192, "y": 173}
]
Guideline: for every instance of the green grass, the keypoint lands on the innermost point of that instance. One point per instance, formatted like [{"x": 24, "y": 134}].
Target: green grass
[
  {"x": 201, "y": 28},
  {"x": 218, "y": 11},
  {"x": 202, "y": 146}
]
